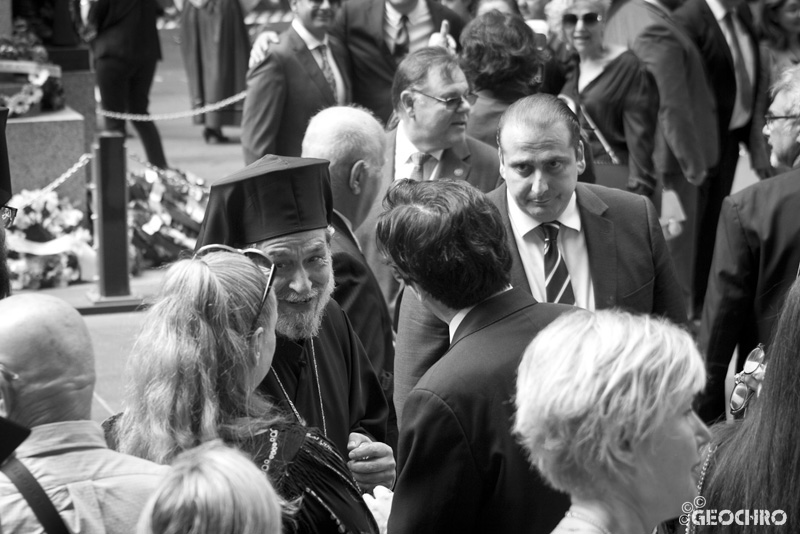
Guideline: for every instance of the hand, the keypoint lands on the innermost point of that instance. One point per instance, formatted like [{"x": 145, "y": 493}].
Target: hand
[
  {"x": 371, "y": 462},
  {"x": 443, "y": 38},
  {"x": 261, "y": 46},
  {"x": 380, "y": 505}
]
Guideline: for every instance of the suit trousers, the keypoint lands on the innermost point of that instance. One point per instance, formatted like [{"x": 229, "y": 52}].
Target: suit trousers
[
  {"x": 125, "y": 88},
  {"x": 710, "y": 195}
]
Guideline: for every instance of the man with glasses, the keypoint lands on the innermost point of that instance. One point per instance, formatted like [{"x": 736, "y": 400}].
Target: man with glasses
[
  {"x": 320, "y": 374},
  {"x": 47, "y": 378},
  {"x": 431, "y": 99},
  {"x": 756, "y": 256},
  {"x": 306, "y": 71}
]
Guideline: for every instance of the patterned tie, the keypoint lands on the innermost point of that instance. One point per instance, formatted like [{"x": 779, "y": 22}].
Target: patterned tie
[
  {"x": 557, "y": 280},
  {"x": 401, "y": 41},
  {"x": 743, "y": 84},
  {"x": 326, "y": 69},
  {"x": 418, "y": 172}
]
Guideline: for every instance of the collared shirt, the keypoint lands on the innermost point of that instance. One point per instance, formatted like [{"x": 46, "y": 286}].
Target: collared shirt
[
  {"x": 571, "y": 243},
  {"x": 404, "y": 149},
  {"x": 740, "y": 114},
  {"x": 349, "y": 227},
  {"x": 313, "y": 44},
  {"x": 420, "y": 26},
  {"x": 96, "y": 490},
  {"x": 458, "y": 318}
]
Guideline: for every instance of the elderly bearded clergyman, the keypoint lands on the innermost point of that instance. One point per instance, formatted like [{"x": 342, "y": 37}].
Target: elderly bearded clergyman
[{"x": 320, "y": 373}]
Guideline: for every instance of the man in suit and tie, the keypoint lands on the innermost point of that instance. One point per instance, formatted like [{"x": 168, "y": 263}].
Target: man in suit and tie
[
  {"x": 724, "y": 33},
  {"x": 607, "y": 244},
  {"x": 431, "y": 99},
  {"x": 757, "y": 256},
  {"x": 353, "y": 141},
  {"x": 687, "y": 143},
  {"x": 461, "y": 470},
  {"x": 305, "y": 72}
]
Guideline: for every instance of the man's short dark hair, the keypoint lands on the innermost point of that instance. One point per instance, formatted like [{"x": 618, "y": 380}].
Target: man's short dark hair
[
  {"x": 446, "y": 237},
  {"x": 543, "y": 110},
  {"x": 413, "y": 71}
]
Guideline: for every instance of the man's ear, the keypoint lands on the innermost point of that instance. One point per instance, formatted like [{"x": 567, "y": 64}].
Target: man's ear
[
  {"x": 580, "y": 157},
  {"x": 407, "y": 102},
  {"x": 358, "y": 173}
]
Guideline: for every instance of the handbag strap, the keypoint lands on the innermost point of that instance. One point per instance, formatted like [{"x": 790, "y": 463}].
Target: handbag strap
[
  {"x": 614, "y": 159},
  {"x": 37, "y": 499}
]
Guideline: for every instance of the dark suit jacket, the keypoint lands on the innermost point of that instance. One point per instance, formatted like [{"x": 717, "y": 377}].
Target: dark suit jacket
[
  {"x": 756, "y": 259},
  {"x": 359, "y": 295},
  {"x": 628, "y": 259},
  {"x": 687, "y": 141},
  {"x": 475, "y": 162},
  {"x": 698, "y": 20},
  {"x": 283, "y": 92},
  {"x": 126, "y": 29},
  {"x": 460, "y": 468},
  {"x": 359, "y": 25}
]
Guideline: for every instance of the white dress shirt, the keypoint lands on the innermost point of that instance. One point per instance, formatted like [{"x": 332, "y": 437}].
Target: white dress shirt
[
  {"x": 313, "y": 44},
  {"x": 741, "y": 115},
  {"x": 404, "y": 149},
  {"x": 571, "y": 243},
  {"x": 420, "y": 26}
]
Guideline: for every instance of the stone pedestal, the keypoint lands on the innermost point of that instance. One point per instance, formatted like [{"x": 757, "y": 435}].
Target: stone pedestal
[
  {"x": 5, "y": 18},
  {"x": 42, "y": 147},
  {"x": 78, "y": 80}
]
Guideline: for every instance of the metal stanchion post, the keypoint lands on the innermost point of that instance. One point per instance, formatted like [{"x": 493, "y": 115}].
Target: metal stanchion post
[{"x": 111, "y": 223}]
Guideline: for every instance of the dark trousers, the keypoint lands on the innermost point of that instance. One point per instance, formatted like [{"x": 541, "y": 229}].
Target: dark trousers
[
  {"x": 125, "y": 88},
  {"x": 709, "y": 205}
]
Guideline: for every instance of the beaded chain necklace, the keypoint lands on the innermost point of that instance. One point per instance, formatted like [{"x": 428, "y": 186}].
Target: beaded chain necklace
[{"x": 319, "y": 393}]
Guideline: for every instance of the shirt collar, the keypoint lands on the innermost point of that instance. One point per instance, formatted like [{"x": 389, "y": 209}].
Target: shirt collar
[
  {"x": 56, "y": 437},
  {"x": 345, "y": 219},
  {"x": 393, "y": 16},
  {"x": 524, "y": 222},
  {"x": 310, "y": 41},
  {"x": 717, "y": 9},
  {"x": 459, "y": 317},
  {"x": 404, "y": 148}
]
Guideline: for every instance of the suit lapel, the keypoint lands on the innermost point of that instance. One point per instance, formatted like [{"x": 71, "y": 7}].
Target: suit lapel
[
  {"x": 309, "y": 64},
  {"x": 342, "y": 61},
  {"x": 374, "y": 25},
  {"x": 600, "y": 245},
  {"x": 718, "y": 37},
  {"x": 518, "y": 279},
  {"x": 455, "y": 162}
]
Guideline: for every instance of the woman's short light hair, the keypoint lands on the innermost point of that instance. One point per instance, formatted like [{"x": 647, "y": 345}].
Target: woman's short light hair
[
  {"x": 212, "y": 489},
  {"x": 593, "y": 381}
]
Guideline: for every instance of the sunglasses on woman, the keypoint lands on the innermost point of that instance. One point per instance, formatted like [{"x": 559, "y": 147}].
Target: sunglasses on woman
[
  {"x": 261, "y": 260},
  {"x": 570, "y": 20},
  {"x": 742, "y": 391}
]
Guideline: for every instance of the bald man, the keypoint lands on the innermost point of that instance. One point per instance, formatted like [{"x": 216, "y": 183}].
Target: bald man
[{"x": 47, "y": 379}]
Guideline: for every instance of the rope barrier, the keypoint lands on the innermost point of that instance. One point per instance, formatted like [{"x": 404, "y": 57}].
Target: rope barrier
[
  {"x": 173, "y": 116},
  {"x": 69, "y": 173}
]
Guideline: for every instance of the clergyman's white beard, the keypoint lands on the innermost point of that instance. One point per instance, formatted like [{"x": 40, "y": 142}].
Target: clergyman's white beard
[{"x": 304, "y": 325}]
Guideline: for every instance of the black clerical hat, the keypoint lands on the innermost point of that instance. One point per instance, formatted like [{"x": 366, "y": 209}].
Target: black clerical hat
[
  {"x": 5, "y": 173},
  {"x": 271, "y": 197}
]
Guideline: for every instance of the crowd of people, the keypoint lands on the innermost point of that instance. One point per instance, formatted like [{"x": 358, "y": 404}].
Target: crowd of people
[{"x": 443, "y": 278}]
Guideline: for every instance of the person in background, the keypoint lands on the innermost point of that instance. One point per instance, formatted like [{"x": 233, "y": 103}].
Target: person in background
[
  {"x": 212, "y": 489},
  {"x": 47, "y": 379},
  {"x": 604, "y": 410},
  {"x": 214, "y": 46},
  {"x": 612, "y": 92},
  {"x": 502, "y": 62},
  {"x": 126, "y": 50},
  {"x": 780, "y": 35},
  {"x": 752, "y": 463},
  {"x": 7, "y": 213},
  {"x": 205, "y": 345}
]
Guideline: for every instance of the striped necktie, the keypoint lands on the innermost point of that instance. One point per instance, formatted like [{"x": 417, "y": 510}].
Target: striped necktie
[
  {"x": 402, "y": 40},
  {"x": 557, "y": 280},
  {"x": 327, "y": 71}
]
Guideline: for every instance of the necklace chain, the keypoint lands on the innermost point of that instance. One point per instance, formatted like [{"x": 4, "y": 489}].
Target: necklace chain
[
  {"x": 587, "y": 520},
  {"x": 319, "y": 392}
]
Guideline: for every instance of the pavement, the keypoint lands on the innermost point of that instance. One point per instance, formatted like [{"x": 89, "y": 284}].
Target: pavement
[{"x": 114, "y": 326}]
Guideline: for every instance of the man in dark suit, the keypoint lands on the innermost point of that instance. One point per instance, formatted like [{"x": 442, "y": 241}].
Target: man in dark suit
[
  {"x": 431, "y": 99},
  {"x": 305, "y": 72},
  {"x": 610, "y": 241},
  {"x": 724, "y": 33},
  {"x": 460, "y": 468},
  {"x": 757, "y": 256},
  {"x": 353, "y": 141},
  {"x": 7, "y": 213},
  {"x": 687, "y": 143}
]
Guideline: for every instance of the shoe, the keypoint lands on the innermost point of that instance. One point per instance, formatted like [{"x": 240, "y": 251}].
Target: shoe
[{"x": 213, "y": 136}]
